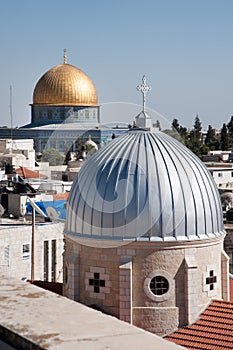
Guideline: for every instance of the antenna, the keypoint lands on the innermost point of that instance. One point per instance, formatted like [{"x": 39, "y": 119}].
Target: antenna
[{"x": 11, "y": 117}]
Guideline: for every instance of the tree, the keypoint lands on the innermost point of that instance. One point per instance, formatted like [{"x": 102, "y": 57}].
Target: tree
[
  {"x": 53, "y": 157},
  {"x": 176, "y": 125},
  {"x": 183, "y": 131},
  {"x": 224, "y": 140},
  {"x": 194, "y": 142},
  {"x": 178, "y": 131},
  {"x": 209, "y": 135},
  {"x": 204, "y": 150},
  {"x": 230, "y": 132},
  {"x": 211, "y": 140},
  {"x": 184, "y": 134},
  {"x": 230, "y": 126},
  {"x": 67, "y": 157},
  {"x": 197, "y": 128}
]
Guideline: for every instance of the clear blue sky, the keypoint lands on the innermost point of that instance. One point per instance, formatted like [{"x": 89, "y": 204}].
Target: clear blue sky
[{"x": 184, "y": 47}]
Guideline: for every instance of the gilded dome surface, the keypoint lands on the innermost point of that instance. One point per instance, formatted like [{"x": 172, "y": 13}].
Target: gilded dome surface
[
  {"x": 65, "y": 85},
  {"x": 144, "y": 186}
]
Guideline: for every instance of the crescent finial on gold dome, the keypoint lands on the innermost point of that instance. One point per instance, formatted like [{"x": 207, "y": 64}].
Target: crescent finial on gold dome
[{"x": 64, "y": 57}]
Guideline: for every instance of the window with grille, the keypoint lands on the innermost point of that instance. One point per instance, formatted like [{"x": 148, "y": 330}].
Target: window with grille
[{"x": 159, "y": 285}]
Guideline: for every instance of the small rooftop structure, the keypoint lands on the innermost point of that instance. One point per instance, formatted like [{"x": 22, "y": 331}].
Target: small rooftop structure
[
  {"x": 17, "y": 152},
  {"x": 143, "y": 120}
]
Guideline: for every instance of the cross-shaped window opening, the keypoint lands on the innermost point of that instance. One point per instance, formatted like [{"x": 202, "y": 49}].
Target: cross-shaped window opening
[
  {"x": 96, "y": 282},
  {"x": 211, "y": 279}
]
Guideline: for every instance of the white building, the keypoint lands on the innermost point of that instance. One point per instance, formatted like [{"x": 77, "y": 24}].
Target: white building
[
  {"x": 222, "y": 174},
  {"x": 18, "y": 256},
  {"x": 18, "y": 153}
]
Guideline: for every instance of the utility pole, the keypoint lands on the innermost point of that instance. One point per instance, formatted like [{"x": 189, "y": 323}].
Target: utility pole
[{"x": 33, "y": 245}]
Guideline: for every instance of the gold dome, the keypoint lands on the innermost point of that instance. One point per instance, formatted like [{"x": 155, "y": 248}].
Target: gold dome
[{"x": 65, "y": 85}]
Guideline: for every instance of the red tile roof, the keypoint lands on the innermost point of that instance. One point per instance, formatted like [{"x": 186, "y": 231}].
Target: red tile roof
[
  {"x": 213, "y": 331},
  {"x": 231, "y": 290},
  {"x": 26, "y": 173}
]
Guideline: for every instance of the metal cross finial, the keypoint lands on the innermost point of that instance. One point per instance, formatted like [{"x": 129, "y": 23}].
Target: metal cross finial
[
  {"x": 143, "y": 88},
  {"x": 64, "y": 57}
]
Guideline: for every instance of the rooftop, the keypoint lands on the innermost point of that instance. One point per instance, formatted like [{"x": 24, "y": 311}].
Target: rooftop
[
  {"x": 26, "y": 173},
  {"x": 231, "y": 290},
  {"x": 213, "y": 331},
  {"x": 33, "y": 318}
]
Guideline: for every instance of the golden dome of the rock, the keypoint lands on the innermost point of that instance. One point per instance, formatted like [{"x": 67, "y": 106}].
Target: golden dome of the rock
[{"x": 65, "y": 85}]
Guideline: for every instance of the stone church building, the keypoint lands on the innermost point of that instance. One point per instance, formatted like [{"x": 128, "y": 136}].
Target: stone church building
[{"x": 144, "y": 232}]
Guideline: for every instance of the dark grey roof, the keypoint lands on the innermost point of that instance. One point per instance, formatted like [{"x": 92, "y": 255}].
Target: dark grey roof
[{"x": 142, "y": 186}]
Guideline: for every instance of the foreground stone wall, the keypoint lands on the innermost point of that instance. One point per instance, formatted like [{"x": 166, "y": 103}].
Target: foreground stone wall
[{"x": 34, "y": 319}]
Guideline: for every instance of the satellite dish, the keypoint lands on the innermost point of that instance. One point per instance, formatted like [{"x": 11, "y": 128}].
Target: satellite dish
[
  {"x": 2, "y": 210},
  {"x": 37, "y": 209},
  {"x": 52, "y": 213}
]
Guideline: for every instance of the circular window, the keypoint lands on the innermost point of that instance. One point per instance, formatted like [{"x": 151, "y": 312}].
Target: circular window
[{"x": 159, "y": 285}]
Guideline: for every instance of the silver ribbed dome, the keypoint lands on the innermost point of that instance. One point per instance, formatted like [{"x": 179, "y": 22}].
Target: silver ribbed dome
[{"x": 142, "y": 186}]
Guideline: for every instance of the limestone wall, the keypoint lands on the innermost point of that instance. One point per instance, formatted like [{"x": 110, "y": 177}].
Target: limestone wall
[
  {"x": 186, "y": 267},
  {"x": 191, "y": 270},
  {"x": 15, "y": 261}
]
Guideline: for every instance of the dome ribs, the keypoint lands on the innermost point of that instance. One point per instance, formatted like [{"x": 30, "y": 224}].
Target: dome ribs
[
  {"x": 132, "y": 155},
  {"x": 65, "y": 85},
  {"x": 174, "y": 158},
  {"x": 172, "y": 144},
  {"x": 160, "y": 189},
  {"x": 205, "y": 179},
  {"x": 144, "y": 186}
]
